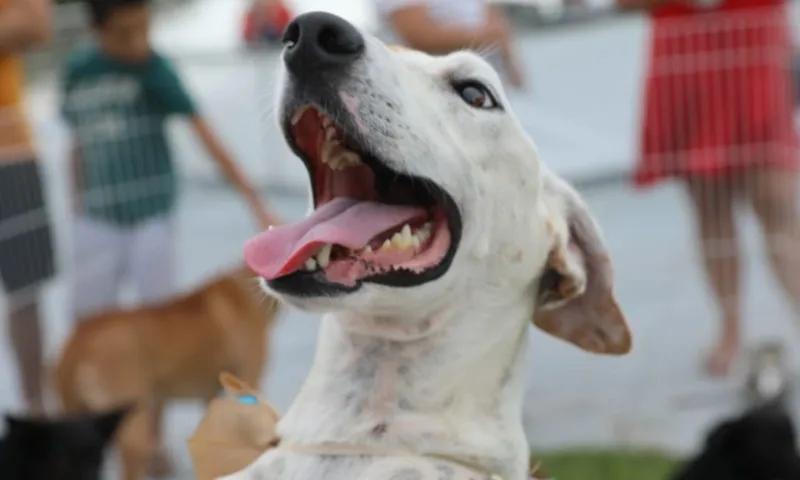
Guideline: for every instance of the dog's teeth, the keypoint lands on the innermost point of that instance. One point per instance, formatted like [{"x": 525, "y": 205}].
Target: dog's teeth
[
  {"x": 425, "y": 232},
  {"x": 311, "y": 264},
  {"x": 324, "y": 255},
  {"x": 336, "y": 156},
  {"x": 401, "y": 241},
  {"x": 330, "y": 132},
  {"x": 406, "y": 233},
  {"x": 348, "y": 159},
  {"x": 404, "y": 239},
  {"x": 299, "y": 114},
  {"x": 397, "y": 240},
  {"x": 328, "y": 149},
  {"x": 334, "y": 163},
  {"x": 344, "y": 160},
  {"x": 367, "y": 249}
]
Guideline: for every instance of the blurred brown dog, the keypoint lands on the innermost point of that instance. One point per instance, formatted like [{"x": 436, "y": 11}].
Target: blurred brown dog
[{"x": 175, "y": 350}]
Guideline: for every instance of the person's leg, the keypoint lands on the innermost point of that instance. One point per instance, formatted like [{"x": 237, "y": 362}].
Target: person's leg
[
  {"x": 25, "y": 332},
  {"x": 97, "y": 262},
  {"x": 773, "y": 196},
  {"x": 26, "y": 261},
  {"x": 713, "y": 202},
  {"x": 151, "y": 260},
  {"x": 151, "y": 266}
]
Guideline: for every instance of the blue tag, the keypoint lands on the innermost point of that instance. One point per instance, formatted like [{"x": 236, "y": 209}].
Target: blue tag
[{"x": 248, "y": 399}]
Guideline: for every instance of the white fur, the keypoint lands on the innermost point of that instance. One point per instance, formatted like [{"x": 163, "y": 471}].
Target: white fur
[{"x": 441, "y": 364}]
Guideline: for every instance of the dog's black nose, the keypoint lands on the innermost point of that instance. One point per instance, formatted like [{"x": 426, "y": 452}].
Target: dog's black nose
[{"x": 320, "y": 40}]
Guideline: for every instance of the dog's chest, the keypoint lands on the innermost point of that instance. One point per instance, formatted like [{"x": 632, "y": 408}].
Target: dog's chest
[{"x": 298, "y": 467}]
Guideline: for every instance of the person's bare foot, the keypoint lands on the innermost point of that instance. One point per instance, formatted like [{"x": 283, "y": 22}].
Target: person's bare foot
[
  {"x": 160, "y": 465},
  {"x": 722, "y": 355}
]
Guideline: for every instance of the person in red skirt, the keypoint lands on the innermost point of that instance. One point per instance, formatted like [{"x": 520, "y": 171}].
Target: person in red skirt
[
  {"x": 265, "y": 21},
  {"x": 719, "y": 117}
]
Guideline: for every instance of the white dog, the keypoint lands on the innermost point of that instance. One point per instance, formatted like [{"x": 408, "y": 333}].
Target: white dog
[{"x": 437, "y": 236}]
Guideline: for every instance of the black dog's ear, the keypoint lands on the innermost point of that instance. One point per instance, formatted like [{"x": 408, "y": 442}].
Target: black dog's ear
[
  {"x": 22, "y": 426},
  {"x": 108, "y": 423},
  {"x": 13, "y": 421}
]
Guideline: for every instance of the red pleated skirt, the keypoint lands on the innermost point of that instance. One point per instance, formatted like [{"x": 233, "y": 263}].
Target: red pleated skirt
[{"x": 718, "y": 95}]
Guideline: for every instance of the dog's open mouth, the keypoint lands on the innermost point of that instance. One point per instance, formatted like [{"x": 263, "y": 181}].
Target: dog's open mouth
[{"x": 369, "y": 222}]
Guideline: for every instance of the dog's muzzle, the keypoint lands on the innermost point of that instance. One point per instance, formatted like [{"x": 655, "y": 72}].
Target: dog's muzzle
[{"x": 320, "y": 41}]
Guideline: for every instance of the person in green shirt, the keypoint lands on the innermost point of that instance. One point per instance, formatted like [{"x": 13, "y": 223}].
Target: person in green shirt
[{"x": 116, "y": 97}]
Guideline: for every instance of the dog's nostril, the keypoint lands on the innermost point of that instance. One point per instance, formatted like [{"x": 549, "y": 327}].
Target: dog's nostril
[
  {"x": 318, "y": 40},
  {"x": 337, "y": 41},
  {"x": 291, "y": 35}
]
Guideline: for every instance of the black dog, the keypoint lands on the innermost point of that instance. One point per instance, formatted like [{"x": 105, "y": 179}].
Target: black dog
[
  {"x": 759, "y": 445},
  {"x": 57, "y": 449}
]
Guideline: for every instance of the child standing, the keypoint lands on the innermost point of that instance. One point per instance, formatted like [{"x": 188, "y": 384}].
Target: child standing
[
  {"x": 117, "y": 96},
  {"x": 265, "y": 21}
]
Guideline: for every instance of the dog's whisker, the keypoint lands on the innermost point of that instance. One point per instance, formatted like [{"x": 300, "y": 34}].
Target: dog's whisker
[{"x": 488, "y": 50}]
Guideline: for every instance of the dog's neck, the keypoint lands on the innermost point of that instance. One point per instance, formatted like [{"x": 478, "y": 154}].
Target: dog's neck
[{"x": 450, "y": 384}]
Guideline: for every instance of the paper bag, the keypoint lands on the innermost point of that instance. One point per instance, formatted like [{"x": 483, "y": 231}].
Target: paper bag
[{"x": 238, "y": 427}]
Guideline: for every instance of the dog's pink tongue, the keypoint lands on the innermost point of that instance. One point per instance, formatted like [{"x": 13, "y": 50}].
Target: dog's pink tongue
[{"x": 342, "y": 221}]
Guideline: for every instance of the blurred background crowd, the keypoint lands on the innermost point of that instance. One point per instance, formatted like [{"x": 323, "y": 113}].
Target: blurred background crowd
[{"x": 101, "y": 207}]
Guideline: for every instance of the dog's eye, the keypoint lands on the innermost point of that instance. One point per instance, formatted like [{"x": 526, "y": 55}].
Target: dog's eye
[{"x": 476, "y": 95}]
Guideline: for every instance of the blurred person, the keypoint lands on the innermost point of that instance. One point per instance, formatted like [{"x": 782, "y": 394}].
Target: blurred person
[
  {"x": 117, "y": 96},
  {"x": 26, "y": 250},
  {"x": 719, "y": 117},
  {"x": 265, "y": 21},
  {"x": 445, "y": 26}
]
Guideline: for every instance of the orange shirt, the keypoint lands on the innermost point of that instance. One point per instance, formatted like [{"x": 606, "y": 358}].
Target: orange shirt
[{"x": 15, "y": 138}]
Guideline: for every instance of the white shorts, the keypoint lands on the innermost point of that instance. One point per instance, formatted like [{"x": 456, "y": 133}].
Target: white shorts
[{"x": 107, "y": 255}]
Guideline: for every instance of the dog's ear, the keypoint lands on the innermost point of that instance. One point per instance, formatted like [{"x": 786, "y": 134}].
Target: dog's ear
[
  {"x": 575, "y": 291},
  {"x": 26, "y": 431}
]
